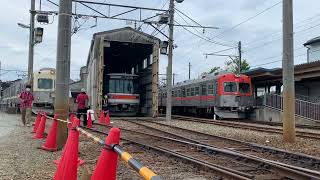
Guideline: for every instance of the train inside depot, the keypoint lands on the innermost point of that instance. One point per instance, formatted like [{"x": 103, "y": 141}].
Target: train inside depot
[
  {"x": 122, "y": 70},
  {"x": 220, "y": 95}
]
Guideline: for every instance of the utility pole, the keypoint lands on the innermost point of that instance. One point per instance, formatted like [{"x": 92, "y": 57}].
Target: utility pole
[
  {"x": 31, "y": 43},
  {"x": 169, "y": 69},
  {"x": 0, "y": 83},
  {"x": 288, "y": 74},
  {"x": 240, "y": 58},
  {"x": 61, "y": 106},
  {"x": 189, "y": 70},
  {"x": 173, "y": 74}
]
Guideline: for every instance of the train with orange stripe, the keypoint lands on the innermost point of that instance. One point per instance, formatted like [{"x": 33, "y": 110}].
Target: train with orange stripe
[
  {"x": 121, "y": 94},
  {"x": 224, "y": 96}
]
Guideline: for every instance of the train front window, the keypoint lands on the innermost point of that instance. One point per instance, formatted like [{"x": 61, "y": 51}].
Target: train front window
[
  {"x": 230, "y": 87},
  {"x": 121, "y": 86},
  {"x": 244, "y": 88},
  {"x": 45, "y": 83}
]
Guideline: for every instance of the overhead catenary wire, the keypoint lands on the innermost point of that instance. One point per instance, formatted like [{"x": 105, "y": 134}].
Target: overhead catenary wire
[
  {"x": 271, "y": 62},
  {"x": 279, "y": 31},
  {"x": 206, "y": 39},
  {"x": 247, "y": 20},
  {"x": 274, "y": 40}
]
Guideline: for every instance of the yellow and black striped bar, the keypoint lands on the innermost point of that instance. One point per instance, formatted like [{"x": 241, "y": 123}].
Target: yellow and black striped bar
[
  {"x": 89, "y": 135},
  {"x": 56, "y": 119},
  {"x": 145, "y": 172}
]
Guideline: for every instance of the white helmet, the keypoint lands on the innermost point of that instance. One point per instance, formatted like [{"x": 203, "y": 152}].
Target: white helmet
[{"x": 83, "y": 90}]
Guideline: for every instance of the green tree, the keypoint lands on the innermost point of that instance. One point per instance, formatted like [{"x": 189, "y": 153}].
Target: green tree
[
  {"x": 214, "y": 69},
  {"x": 233, "y": 65}
]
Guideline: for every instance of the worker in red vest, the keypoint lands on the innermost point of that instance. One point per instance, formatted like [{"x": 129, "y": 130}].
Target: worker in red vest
[
  {"x": 82, "y": 101},
  {"x": 26, "y": 98}
]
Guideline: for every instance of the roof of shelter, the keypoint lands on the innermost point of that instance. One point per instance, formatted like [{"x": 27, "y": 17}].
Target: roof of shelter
[{"x": 312, "y": 41}]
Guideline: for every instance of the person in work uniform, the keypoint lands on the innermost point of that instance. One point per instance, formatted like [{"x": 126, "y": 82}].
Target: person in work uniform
[
  {"x": 26, "y": 98},
  {"x": 82, "y": 101}
]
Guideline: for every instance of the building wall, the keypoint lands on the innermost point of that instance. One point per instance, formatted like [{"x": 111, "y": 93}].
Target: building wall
[
  {"x": 308, "y": 88},
  {"x": 314, "y": 52}
]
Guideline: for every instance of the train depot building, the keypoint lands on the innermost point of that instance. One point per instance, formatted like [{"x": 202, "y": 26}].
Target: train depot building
[{"x": 123, "y": 65}]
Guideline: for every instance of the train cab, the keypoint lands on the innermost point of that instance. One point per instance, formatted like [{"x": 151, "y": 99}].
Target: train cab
[
  {"x": 43, "y": 89},
  {"x": 234, "y": 94},
  {"x": 121, "y": 94}
]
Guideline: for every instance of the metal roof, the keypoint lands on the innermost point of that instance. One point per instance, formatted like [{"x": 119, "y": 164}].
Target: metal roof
[{"x": 312, "y": 41}]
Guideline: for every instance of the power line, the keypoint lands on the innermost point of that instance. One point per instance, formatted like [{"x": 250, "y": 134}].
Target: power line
[
  {"x": 248, "y": 19},
  {"x": 281, "y": 59},
  {"x": 274, "y": 40},
  {"x": 223, "y": 50},
  {"x": 279, "y": 31},
  {"x": 206, "y": 39}
]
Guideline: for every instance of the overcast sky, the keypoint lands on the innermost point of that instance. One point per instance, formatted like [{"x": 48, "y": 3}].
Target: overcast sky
[{"x": 260, "y": 36}]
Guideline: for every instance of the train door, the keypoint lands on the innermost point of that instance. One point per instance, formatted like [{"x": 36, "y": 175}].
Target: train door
[{"x": 203, "y": 95}]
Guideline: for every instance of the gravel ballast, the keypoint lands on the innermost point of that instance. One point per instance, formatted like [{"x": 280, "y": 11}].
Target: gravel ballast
[{"x": 21, "y": 158}]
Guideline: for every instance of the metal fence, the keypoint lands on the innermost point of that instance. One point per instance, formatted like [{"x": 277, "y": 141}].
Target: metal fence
[{"x": 303, "y": 108}]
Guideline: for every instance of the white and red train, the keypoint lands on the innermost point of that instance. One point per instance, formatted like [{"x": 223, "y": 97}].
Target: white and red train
[{"x": 224, "y": 95}]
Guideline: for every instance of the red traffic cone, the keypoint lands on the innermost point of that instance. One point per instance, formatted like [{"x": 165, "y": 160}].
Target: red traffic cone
[
  {"x": 107, "y": 164},
  {"x": 40, "y": 130},
  {"x": 101, "y": 118},
  {"x": 67, "y": 168},
  {"x": 36, "y": 124},
  {"x": 75, "y": 121},
  {"x": 71, "y": 119},
  {"x": 51, "y": 142},
  {"x": 107, "y": 119},
  {"x": 89, "y": 125}
]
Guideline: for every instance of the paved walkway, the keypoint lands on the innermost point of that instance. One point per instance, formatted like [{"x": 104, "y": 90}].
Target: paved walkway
[{"x": 7, "y": 123}]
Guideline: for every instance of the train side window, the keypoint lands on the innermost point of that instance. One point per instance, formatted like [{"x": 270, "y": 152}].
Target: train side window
[
  {"x": 203, "y": 89},
  {"x": 179, "y": 93},
  {"x": 183, "y": 92},
  {"x": 196, "y": 91},
  {"x": 210, "y": 89},
  {"x": 192, "y": 91},
  {"x": 188, "y": 92}
]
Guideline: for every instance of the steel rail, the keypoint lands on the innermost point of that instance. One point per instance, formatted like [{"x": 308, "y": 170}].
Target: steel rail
[
  {"x": 297, "y": 156},
  {"x": 288, "y": 171},
  {"x": 220, "y": 169},
  {"x": 313, "y": 160},
  {"x": 303, "y": 134}
]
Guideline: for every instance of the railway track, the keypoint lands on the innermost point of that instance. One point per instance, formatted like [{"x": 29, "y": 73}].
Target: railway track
[
  {"x": 299, "y": 133},
  {"x": 230, "y": 163}
]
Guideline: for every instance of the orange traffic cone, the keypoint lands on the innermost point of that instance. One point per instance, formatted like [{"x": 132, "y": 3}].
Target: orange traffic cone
[
  {"x": 70, "y": 119},
  {"x": 67, "y": 168},
  {"x": 101, "y": 118},
  {"x": 36, "y": 124},
  {"x": 89, "y": 125},
  {"x": 40, "y": 130},
  {"x": 107, "y": 119},
  {"x": 76, "y": 121},
  {"x": 107, "y": 164},
  {"x": 51, "y": 142}
]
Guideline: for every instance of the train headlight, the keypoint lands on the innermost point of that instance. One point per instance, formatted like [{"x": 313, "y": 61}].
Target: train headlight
[{"x": 38, "y": 98}]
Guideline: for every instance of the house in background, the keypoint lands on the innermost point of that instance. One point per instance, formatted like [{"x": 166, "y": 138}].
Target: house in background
[{"x": 313, "y": 52}]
